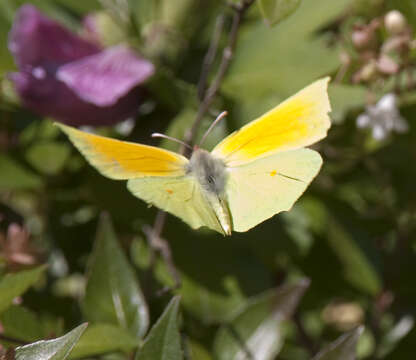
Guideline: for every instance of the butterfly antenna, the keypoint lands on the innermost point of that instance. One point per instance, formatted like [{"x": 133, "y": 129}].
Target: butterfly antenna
[
  {"x": 215, "y": 122},
  {"x": 171, "y": 138}
]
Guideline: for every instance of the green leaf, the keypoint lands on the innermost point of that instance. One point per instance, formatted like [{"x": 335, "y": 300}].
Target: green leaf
[
  {"x": 197, "y": 351},
  {"x": 271, "y": 64},
  {"x": 163, "y": 341},
  {"x": 15, "y": 284},
  {"x": 344, "y": 98},
  {"x": 209, "y": 296},
  {"x": 208, "y": 305},
  {"x": 255, "y": 332},
  {"x": 21, "y": 323},
  {"x": 14, "y": 176},
  {"x": 6, "y": 60},
  {"x": 56, "y": 349},
  {"x": 357, "y": 267},
  {"x": 344, "y": 348},
  {"x": 39, "y": 130},
  {"x": 275, "y": 11},
  {"x": 48, "y": 158},
  {"x": 80, "y": 7},
  {"x": 113, "y": 294},
  {"x": 103, "y": 338}
]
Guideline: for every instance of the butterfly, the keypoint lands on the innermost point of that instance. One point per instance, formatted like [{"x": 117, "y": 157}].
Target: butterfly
[{"x": 251, "y": 175}]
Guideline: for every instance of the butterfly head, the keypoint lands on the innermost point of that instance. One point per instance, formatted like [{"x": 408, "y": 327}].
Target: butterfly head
[{"x": 208, "y": 170}]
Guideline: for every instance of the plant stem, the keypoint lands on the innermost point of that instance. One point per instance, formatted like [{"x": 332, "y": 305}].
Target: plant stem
[
  {"x": 227, "y": 55},
  {"x": 153, "y": 235},
  {"x": 12, "y": 340}
]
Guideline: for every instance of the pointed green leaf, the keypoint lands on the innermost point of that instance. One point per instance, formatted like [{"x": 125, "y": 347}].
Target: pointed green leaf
[
  {"x": 56, "y": 349},
  {"x": 275, "y": 11},
  {"x": 113, "y": 294},
  {"x": 14, "y": 176},
  {"x": 343, "y": 348},
  {"x": 357, "y": 267},
  {"x": 255, "y": 332},
  {"x": 163, "y": 341},
  {"x": 15, "y": 284},
  {"x": 212, "y": 295},
  {"x": 103, "y": 338},
  {"x": 48, "y": 157},
  {"x": 21, "y": 323}
]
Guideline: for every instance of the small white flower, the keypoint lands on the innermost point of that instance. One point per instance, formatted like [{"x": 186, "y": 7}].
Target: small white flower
[
  {"x": 383, "y": 118},
  {"x": 395, "y": 22}
]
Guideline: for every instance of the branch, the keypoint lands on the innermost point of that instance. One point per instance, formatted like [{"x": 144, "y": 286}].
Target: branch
[
  {"x": 156, "y": 242},
  {"x": 210, "y": 56},
  {"x": 227, "y": 55},
  {"x": 12, "y": 340}
]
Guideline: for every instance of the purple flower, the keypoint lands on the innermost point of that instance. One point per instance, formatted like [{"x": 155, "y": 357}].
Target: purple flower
[{"x": 66, "y": 77}]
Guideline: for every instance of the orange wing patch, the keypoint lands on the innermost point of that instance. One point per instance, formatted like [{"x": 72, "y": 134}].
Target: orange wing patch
[{"x": 125, "y": 160}]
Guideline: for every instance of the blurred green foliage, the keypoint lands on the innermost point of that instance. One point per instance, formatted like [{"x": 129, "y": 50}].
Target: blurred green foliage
[{"x": 351, "y": 237}]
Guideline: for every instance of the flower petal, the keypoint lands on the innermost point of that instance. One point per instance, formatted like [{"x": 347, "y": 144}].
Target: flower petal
[
  {"x": 379, "y": 133},
  {"x": 363, "y": 121},
  {"x": 50, "y": 97},
  {"x": 102, "y": 79},
  {"x": 388, "y": 103},
  {"x": 36, "y": 40}
]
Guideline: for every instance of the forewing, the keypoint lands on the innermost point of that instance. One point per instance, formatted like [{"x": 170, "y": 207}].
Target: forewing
[
  {"x": 125, "y": 160},
  {"x": 299, "y": 121},
  {"x": 265, "y": 187},
  {"x": 181, "y": 196}
]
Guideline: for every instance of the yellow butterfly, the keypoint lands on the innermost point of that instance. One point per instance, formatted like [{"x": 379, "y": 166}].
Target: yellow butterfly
[{"x": 253, "y": 174}]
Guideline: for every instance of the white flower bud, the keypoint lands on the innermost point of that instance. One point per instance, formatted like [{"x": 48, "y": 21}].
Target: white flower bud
[{"x": 395, "y": 22}]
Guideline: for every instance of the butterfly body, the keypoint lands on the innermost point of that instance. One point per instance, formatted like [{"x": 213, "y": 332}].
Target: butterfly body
[
  {"x": 209, "y": 171},
  {"x": 253, "y": 174},
  {"x": 211, "y": 175}
]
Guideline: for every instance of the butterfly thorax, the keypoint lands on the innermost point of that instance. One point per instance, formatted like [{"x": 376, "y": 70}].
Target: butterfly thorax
[
  {"x": 208, "y": 170},
  {"x": 211, "y": 174}
]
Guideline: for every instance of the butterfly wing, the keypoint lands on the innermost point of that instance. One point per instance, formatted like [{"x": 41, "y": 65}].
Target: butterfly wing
[
  {"x": 299, "y": 121},
  {"x": 155, "y": 175},
  {"x": 268, "y": 167},
  {"x": 181, "y": 196},
  {"x": 260, "y": 189},
  {"x": 125, "y": 160}
]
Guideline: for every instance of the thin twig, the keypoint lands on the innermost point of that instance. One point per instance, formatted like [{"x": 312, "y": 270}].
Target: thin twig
[
  {"x": 161, "y": 245},
  {"x": 12, "y": 340},
  {"x": 210, "y": 56},
  {"x": 227, "y": 55},
  {"x": 154, "y": 234}
]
